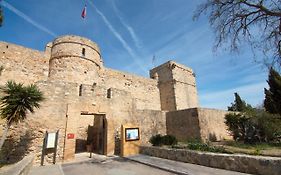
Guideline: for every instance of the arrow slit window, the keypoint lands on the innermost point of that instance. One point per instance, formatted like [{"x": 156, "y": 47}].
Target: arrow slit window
[{"x": 83, "y": 52}]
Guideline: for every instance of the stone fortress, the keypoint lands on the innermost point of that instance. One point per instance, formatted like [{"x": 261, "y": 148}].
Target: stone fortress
[{"x": 88, "y": 100}]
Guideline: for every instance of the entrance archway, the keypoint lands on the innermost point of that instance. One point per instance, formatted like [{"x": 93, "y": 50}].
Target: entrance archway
[
  {"x": 99, "y": 134},
  {"x": 91, "y": 133}
]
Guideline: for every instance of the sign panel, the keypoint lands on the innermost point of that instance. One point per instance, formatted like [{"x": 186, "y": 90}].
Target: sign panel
[
  {"x": 51, "y": 140},
  {"x": 70, "y": 136},
  {"x": 132, "y": 134}
]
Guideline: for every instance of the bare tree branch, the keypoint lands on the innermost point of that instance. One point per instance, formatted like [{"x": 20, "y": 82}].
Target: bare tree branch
[{"x": 257, "y": 22}]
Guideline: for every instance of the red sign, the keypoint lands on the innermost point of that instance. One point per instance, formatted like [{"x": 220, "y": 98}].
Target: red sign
[{"x": 70, "y": 136}]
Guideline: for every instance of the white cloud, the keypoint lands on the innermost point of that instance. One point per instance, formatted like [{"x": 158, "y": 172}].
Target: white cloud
[
  {"x": 127, "y": 26},
  {"x": 119, "y": 37},
  {"x": 28, "y": 19}
]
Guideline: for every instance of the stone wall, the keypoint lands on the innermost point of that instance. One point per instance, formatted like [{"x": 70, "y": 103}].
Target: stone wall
[
  {"x": 75, "y": 59},
  {"x": 22, "y": 64},
  {"x": 119, "y": 107},
  {"x": 74, "y": 84},
  {"x": 28, "y": 136},
  {"x": 19, "y": 144},
  {"x": 144, "y": 91},
  {"x": 184, "y": 87},
  {"x": 197, "y": 123},
  {"x": 151, "y": 122},
  {"x": 236, "y": 162},
  {"x": 177, "y": 86},
  {"x": 212, "y": 126},
  {"x": 184, "y": 124},
  {"x": 71, "y": 75},
  {"x": 164, "y": 76}
]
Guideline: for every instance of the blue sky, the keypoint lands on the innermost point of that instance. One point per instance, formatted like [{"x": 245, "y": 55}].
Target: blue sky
[{"x": 130, "y": 32}]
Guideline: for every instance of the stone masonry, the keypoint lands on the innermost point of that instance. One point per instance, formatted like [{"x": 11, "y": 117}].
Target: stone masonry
[{"x": 82, "y": 95}]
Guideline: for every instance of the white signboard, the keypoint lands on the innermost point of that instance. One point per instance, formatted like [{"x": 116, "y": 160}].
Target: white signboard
[
  {"x": 51, "y": 140},
  {"x": 132, "y": 134}
]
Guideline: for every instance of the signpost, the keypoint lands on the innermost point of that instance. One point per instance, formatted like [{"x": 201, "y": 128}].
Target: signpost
[
  {"x": 50, "y": 144},
  {"x": 130, "y": 140}
]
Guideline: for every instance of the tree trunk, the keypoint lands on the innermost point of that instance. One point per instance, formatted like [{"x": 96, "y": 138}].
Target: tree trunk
[
  {"x": 4, "y": 136},
  {"x": 7, "y": 129}
]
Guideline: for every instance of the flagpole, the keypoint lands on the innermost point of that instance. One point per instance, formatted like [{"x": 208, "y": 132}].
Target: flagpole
[
  {"x": 83, "y": 15},
  {"x": 153, "y": 61}
]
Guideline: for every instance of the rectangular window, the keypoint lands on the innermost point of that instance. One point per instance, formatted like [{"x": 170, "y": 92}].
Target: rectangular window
[
  {"x": 80, "y": 90},
  {"x": 83, "y": 52},
  {"x": 109, "y": 93}
]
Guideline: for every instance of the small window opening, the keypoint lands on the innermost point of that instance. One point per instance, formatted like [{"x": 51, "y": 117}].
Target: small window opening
[
  {"x": 83, "y": 52},
  {"x": 109, "y": 93},
  {"x": 155, "y": 76},
  {"x": 7, "y": 46},
  {"x": 80, "y": 90}
]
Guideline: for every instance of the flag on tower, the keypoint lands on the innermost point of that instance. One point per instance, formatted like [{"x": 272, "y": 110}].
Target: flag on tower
[{"x": 83, "y": 15}]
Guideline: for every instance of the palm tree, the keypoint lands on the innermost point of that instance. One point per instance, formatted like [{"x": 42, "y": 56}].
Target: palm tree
[{"x": 16, "y": 101}]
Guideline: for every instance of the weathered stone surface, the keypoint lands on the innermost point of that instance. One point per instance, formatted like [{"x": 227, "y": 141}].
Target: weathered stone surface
[
  {"x": 78, "y": 90},
  {"x": 197, "y": 123},
  {"x": 177, "y": 86},
  {"x": 236, "y": 162}
]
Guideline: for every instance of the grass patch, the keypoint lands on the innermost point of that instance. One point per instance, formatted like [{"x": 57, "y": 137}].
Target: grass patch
[
  {"x": 206, "y": 147},
  {"x": 198, "y": 146},
  {"x": 266, "y": 149},
  {"x": 232, "y": 147},
  {"x": 261, "y": 146}
]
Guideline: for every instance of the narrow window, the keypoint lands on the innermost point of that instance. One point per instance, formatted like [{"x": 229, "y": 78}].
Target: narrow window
[
  {"x": 83, "y": 52},
  {"x": 80, "y": 90},
  {"x": 109, "y": 93}
]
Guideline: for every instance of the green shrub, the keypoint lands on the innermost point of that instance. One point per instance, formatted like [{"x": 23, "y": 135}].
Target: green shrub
[
  {"x": 156, "y": 140},
  {"x": 270, "y": 124},
  {"x": 169, "y": 140},
  {"x": 206, "y": 147},
  {"x": 254, "y": 126}
]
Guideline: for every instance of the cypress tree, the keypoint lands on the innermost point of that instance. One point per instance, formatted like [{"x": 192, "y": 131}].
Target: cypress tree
[
  {"x": 239, "y": 104},
  {"x": 272, "y": 102}
]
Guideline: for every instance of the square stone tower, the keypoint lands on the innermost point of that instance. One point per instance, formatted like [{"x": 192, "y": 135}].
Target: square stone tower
[{"x": 177, "y": 86}]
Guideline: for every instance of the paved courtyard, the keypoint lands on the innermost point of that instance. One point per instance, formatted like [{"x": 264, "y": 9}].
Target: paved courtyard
[
  {"x": 135, "y": 165},
  {"x": 115, "y": 166}
]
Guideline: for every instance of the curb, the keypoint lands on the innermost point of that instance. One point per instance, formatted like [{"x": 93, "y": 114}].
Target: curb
[{"x": 20, "y": 168}]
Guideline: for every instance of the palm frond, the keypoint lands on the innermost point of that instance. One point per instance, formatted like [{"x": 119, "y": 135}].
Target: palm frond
[{"x": 17, "y": 100}]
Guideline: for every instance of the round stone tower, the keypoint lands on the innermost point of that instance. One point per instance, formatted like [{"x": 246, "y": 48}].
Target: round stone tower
[{"x": 74, "y": 59}]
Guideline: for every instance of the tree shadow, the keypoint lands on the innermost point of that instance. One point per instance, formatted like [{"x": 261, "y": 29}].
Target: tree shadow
[
  {"x": 14, "y": 149},
  {"x": 81, "y": 144},
  {"x": 117, "y": 140}
]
